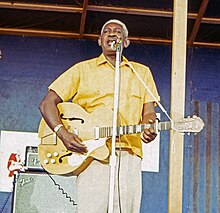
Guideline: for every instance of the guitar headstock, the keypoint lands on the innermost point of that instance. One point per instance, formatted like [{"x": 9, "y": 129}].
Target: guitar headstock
[{"x": 191, "y": 124}]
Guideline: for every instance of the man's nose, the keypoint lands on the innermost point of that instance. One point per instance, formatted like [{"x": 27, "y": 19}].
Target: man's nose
[{"x": 112, "y": 34}]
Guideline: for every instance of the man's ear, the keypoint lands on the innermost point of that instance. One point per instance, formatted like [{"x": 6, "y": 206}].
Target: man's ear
[
  {"x": 99, "y": 41},
  {"x": 126, "y": 42}
]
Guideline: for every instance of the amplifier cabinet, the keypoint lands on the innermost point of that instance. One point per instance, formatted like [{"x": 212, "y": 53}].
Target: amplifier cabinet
[{"x": 43, "y": 193}]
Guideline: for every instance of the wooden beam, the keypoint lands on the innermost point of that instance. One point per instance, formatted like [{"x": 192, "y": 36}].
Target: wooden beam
[
  {"x": 120, "y": 10},
  {"x": 41, "y": 7},
  {"x": 130, "y": 11},
  {"x": 206, "y": 44},
  {"x": 177, "y": 105},
  {"x": 63, "y": 34},
  {"x": 83, "y": 18},
  {"x": 198, "y": 21}
]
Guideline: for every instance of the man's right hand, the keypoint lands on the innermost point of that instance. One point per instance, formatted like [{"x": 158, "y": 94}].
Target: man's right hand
[
  {"x": 50, "y": 113},
  {"x": 71, "y": 141}
]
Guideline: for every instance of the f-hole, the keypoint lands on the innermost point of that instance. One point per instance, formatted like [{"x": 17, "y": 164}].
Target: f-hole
[
  {"x": 61, "y": 160},
  {"x": 71, "y": 119}
]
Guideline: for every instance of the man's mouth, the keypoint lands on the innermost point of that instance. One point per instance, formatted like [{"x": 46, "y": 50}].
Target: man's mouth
[{"x": 109, "y": 42}]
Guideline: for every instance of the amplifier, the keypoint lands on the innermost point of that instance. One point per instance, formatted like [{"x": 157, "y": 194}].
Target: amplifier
[
  {"x": 43, "y": 193},
  {"x": 32, "y": 161}
]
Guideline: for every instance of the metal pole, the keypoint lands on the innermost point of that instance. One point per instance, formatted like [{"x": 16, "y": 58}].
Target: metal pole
[{"x": 115, "y": 124}]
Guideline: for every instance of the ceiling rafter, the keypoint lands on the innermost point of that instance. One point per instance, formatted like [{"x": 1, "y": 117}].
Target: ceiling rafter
[
  {"x": 62, "y": 34},
  {"x": 41, "y": 7},
  {"x": 112, "y": 9},
  {"x": 51, "y": 33},
  {"x": 120, "y": 10},
  {"x": 198, "y": 21},
  {"x": 83, "y": 18}
]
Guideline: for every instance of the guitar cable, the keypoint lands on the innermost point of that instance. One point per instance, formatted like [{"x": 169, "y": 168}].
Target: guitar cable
[{"x": 62, "y": 190}]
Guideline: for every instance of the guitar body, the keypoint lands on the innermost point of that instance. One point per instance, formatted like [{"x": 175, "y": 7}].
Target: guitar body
[
  {"x": 93, "y": 128},
  {"x": 54, "y": 156}
]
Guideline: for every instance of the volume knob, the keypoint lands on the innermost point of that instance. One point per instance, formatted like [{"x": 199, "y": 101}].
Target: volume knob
[
  {"x": 49, "y": 155},
  {"x": 53, "y": 161},
  {"x": 46, "y": 161}
]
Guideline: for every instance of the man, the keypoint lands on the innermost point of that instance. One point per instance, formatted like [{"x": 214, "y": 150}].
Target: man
[{"x": 90, "y": 84}]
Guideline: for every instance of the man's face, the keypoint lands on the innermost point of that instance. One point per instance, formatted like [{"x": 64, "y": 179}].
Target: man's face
[{"x": 111, "y": 32}]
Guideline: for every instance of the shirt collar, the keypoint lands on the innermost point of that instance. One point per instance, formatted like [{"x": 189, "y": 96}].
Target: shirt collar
[{"x": 101, "y": 60}]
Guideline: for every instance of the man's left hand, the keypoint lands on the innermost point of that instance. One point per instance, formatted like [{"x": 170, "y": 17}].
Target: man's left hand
[{"x": 149, "y": 134}]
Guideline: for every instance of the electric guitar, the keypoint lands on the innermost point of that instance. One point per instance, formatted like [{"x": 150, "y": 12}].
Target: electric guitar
[{"x": 56, "y": 159}]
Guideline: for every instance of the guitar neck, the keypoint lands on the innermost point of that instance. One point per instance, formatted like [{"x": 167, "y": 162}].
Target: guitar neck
[{"x": 101, "y": 132}]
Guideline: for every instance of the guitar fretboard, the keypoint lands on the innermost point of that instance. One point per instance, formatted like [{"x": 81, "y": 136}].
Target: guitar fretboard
[{"x": 101, "y": 132}]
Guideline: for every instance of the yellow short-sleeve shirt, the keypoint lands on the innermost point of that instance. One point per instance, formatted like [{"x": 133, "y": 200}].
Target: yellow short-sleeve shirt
[{"x": 90, "y": 84}]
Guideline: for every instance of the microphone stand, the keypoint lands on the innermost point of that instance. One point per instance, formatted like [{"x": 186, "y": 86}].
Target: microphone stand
[{"x": 114, "y": 134}]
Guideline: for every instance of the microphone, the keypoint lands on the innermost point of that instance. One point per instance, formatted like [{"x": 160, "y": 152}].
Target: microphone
[{"x": 115, "y": 43}]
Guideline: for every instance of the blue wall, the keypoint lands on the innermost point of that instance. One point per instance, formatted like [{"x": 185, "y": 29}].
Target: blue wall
[{"x": 28, "y": 65}]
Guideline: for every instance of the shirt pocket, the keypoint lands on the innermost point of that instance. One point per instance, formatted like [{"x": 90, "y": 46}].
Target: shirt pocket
[{"x": 133, "y": 106}]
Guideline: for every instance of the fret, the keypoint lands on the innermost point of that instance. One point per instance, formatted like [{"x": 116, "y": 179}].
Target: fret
[
  {"x": 123, "y": 129},
  {"x": 134, "y": 128},
  {"x": 142, "y": 127},
  {"x": 117, "y": 131},
  {"x": 109, "y": 131},
  {"x": 126, "y": 131},
  {"x": 164, "y": 126},
  {"x": 105, "y": 131},
  {"x": 160, "y": 126},
  {"x": 101, "y": 130},
  {"x": 138, "y": 128},
  {"x": 130, "y": 129}
]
